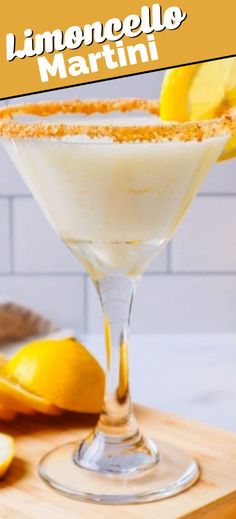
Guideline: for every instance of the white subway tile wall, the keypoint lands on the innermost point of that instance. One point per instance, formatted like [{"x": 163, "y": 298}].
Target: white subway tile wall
[
  {"x": 173, "y": 303},
  {"x": 37, "y": 248},
  {"x": 190, "y": 287},
  {"x": 206, "y": 240},
  {"x": 5, "y": 256},
  {"x": 58, "y": 297}
]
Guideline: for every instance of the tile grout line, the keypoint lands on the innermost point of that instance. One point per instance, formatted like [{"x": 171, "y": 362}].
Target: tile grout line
[
  {"x": 11, "y": 235},
  {"x": 216, "y": 195},
  {"x": 197, "y": 273},
  {"x": 200, "y": 195},
  {"x": 19, "y": 273},
  {"x": 166, "y": 274},
  {"x": 15, "y": 196}
]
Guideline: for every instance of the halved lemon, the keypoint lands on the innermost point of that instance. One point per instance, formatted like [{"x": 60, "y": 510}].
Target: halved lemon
[
  {"x": 61, "y": 371},
  {"x": 7, "y": 413},
  {"x": 7, "y": 452},
  {"x": 201, "y": 91},
  {"x": 3, "y": 360},
  {"x": 17, "y": 398}
]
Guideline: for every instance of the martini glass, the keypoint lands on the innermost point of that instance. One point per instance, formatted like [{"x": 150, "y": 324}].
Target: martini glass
[{"x": 114, "y": 182}]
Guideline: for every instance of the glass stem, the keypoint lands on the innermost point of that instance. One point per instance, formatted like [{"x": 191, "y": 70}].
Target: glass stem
[
  {"x": 116, "y": 445},
  {"x": 116, "y": 296}
]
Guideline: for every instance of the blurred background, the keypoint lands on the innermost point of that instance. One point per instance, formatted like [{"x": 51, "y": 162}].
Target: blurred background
[{"x": 190, "y": 288}]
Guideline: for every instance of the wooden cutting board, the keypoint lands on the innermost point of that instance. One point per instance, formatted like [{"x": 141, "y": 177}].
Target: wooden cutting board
[{"x": 24, "y": 495}]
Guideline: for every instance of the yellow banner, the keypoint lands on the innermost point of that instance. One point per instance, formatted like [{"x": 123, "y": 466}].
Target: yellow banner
[{"x": 54, "y": 45}]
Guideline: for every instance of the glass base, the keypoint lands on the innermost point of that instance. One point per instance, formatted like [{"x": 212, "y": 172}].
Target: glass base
[
  {"x": 115, "y": 456},
  {"x": 173, "y": 473}
]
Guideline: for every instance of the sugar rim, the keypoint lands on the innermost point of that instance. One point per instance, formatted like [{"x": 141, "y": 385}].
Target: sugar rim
[{"x": 184, "y": 131}]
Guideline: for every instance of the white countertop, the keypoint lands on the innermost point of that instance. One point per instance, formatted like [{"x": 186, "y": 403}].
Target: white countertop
[{"x": 193, "y": 375}]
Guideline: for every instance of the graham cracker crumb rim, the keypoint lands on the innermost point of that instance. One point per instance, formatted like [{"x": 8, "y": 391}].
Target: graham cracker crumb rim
[{"x": 163, "y": 131}]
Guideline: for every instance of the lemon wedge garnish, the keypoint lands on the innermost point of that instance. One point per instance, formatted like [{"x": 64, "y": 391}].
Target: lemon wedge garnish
[
  {"x": 7, "y": 452},
  {"x": 60, "y": 371},
  {"x": 201, "y": 91}
]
